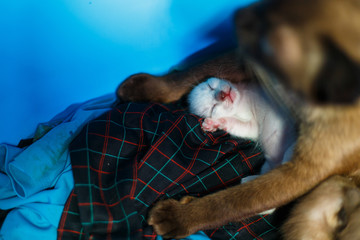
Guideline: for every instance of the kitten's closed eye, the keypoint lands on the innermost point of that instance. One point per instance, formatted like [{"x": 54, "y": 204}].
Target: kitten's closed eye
[{"x": 211, "y": 88}]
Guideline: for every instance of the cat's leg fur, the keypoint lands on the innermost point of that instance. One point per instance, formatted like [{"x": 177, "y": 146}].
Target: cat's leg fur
[
  {"x": 173, "y": 85},
  {"x": 325, "y": 212},
  {"x": 311, "y": 164}
]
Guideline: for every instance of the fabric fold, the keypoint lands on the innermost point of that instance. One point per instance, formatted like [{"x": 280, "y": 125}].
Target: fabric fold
[{"x": 35, "y": 181}]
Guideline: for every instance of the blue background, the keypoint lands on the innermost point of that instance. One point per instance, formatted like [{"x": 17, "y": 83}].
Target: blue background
[{"x": 57, "y": 52}]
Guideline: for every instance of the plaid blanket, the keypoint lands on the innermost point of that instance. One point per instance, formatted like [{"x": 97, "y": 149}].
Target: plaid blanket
[{"x": 136, "y": 154}]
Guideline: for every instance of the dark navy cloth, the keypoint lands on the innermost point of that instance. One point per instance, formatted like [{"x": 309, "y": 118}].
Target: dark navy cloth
[{"x": 136, "y": 154}]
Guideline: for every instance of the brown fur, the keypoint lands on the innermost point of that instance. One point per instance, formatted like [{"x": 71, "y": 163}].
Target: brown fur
[
  {"x": 324, "y": 148},
  {"x": 314, "y": 47},
  {"x": 351, "y": 230},
  {"x": 330, "y": 211},
  {"x": 172, "y": 86}
]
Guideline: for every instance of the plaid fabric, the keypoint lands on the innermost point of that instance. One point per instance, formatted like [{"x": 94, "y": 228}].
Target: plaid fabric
[{"x": 136, "y": 154}]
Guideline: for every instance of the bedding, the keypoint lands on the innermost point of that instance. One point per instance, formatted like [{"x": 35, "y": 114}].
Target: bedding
[
  {"x": 36, "y": 180},
  {"x": 135, "y": 154}
]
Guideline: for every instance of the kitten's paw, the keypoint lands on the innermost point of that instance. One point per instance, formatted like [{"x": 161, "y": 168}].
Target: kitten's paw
[
  {"x": 223, "y": 123},
  {"x": 212, "y": 125},
  {"x": 170, "y": 218}
]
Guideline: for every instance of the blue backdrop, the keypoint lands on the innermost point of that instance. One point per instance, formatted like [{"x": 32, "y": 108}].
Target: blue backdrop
[{"x": 55, "y": 53}]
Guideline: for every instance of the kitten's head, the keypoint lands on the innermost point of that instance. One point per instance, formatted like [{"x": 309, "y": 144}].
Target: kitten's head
[{"x": 214, "y": 98}]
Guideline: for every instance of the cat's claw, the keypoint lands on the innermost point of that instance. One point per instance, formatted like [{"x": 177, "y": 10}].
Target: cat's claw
[
  {"x": 187, "y": 199},
  {"x": 169, "y": 218}
]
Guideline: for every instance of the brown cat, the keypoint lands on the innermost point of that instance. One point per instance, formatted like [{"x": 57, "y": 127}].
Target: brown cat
[
  {"x": 313, "y": 47},
  {"x": 324, "y": 148}
]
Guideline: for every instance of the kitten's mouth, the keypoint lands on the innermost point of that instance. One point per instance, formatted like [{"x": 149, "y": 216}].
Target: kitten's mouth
[{"x": 232, "y": 95}]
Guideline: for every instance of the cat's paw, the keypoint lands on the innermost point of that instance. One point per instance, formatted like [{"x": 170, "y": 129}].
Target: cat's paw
[
  {"x": 144, "y": 87},
  {"x": 170, "y": 218},
  {"x": 212, "y": 125},
  {"x": 209, "y": 125}
]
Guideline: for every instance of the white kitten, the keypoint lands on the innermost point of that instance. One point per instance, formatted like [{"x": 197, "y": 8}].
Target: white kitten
[{"x": 242, "y": 111}]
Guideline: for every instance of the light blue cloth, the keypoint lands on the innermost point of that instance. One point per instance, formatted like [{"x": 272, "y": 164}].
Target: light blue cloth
[
  {"x": 195, "y": 236},
  {"x": 36, "y": 181}
]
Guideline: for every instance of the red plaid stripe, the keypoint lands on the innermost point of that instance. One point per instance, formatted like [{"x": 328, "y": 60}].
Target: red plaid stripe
[{"x": 134, "y": 155}]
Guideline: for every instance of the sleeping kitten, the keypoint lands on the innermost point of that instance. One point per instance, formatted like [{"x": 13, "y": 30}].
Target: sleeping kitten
[
  {"x": 242, "y": 110},
  {"x": 331, "y": 209}
]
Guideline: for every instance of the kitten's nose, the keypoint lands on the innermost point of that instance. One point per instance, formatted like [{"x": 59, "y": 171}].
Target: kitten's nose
[{"x": 221, "y": 96}]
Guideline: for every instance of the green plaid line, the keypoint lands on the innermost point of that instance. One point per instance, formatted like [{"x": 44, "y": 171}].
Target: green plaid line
[{"x": 135, "y": 154}]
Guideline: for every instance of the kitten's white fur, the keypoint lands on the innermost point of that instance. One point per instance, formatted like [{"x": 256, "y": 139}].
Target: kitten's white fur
[{"x": 242, "y": 111}]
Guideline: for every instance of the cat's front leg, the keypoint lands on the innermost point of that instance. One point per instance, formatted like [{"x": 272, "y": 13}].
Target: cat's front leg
[
  {"x": 172, "y": 86},
  {"x": 173, "y": 219},
  {"x": 277, "y": 187}
]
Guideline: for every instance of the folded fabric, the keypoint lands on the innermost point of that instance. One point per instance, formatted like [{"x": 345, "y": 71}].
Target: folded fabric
[
  {"x": 135, "y": 154},
  {"x": 196, "y": 236},
  {"x": 36, "y": 181}
]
